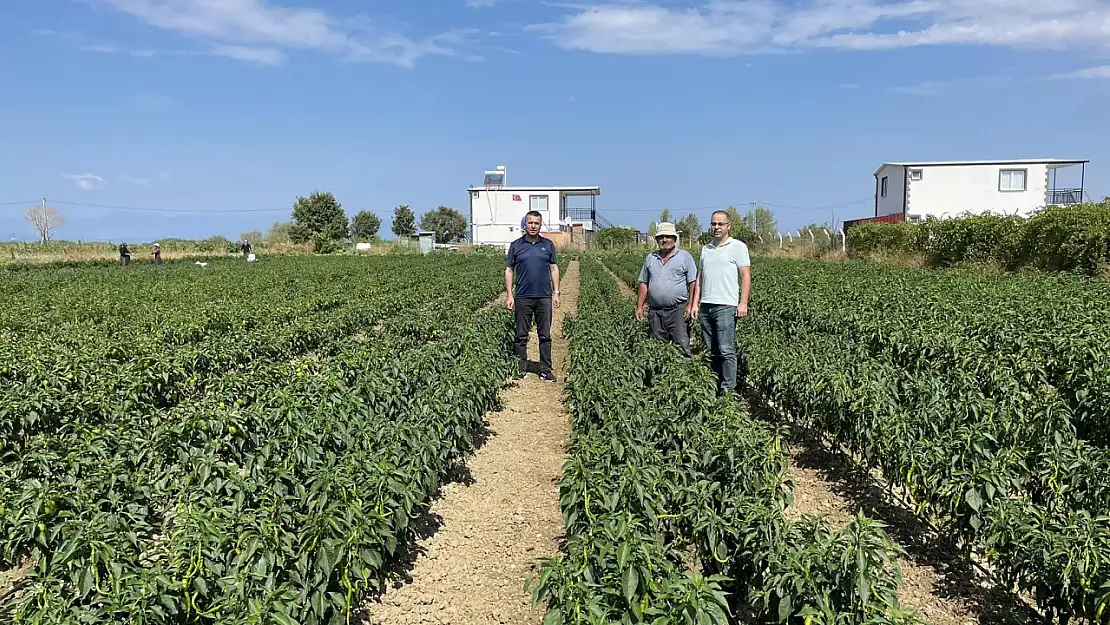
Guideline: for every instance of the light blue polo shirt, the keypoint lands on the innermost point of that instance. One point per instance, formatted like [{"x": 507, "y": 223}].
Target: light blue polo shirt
[
  {"x": 668, "y": 283},
  {"x": 720, "y": 271}
]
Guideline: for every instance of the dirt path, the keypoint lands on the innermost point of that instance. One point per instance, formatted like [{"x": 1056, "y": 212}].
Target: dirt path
[
  {"x": 825, "y": 487},
  {"x": 493, "y": 528},
  {"x": 936, "y": 581},
  {"x": 624, "y": 288}
]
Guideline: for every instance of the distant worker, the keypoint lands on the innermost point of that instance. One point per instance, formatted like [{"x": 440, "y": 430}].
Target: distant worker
[
  {"x": 667, "y": 281},
  {"x": 157, "y": 253},
  {"x": 246, "y": 248},
  {"x": 124, "y": 254},
  {"x": 533, "y": 258},
  {"x": 721, "y": 295}
]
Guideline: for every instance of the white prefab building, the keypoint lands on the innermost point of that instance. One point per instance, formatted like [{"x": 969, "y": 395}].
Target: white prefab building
[
  {"x": 497, "y": 210},
  {"x": 952, "y": 188}
]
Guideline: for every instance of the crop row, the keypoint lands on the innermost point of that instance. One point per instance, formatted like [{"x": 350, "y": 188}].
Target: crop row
[
  {"x": 281, "y": 494},
  {"x": 907, "y": 371},
  {"x": 674, "y": 499},
  {"x": 134, "y": 369},
  {"x": 1044, "y": 330}
]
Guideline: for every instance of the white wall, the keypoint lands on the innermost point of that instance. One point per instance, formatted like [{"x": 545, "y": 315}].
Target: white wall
[
  {"x": 495, "y": 216},
  {"x": 950, "y": 190},
  {"x": 892, "y": 203}
]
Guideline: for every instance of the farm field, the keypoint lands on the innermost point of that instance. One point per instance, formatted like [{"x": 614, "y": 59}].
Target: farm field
[
  {"x": 233, "y": 444},
  {"x": 264, "y": 443},
  {"x": 674, "y": 500},
  {"x": 982, "y": 399}
]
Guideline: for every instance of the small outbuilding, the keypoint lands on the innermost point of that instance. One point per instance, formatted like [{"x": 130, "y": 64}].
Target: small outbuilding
[{"x": 425, "y": 241}]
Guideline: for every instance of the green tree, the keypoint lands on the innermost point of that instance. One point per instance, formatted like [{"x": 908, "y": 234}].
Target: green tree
[
  {"x": 318, "y": 218},
  {"x": 278, "y": 232},
  {"x": 448, "y": 224},
  {"x": 666, "y": 215},
  {"x": 254, "y": 236},
  {"x": 739, "y": 228},
  {"x": 619, "y": 236},
  {"x": 762, "y": 222},
  {"x": 365, "y": 225},
  {"x": 688, "y": 229},
  {"x": 404, "y": 221}
]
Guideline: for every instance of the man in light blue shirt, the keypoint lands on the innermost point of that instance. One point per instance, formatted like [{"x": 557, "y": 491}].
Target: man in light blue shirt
[
  {"x": 667, "y": 288},
  {"x": 721, "y": 292}
]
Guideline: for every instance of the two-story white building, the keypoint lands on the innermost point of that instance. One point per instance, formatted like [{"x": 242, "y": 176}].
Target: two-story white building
[
  {"x": 497, "y": 210},
  {"x": 952, "y": 188}
]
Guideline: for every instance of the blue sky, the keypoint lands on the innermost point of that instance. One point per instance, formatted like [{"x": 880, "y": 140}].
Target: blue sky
[{"x": 241, "y": 105}]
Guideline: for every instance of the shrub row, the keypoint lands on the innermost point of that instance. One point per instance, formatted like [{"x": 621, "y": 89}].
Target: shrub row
[{"x": 1058, "y": 238}]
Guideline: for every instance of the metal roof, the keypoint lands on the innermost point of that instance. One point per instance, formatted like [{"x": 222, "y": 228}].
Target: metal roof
[
  {"x": 1017, "y": 161},
  {"x": 591, "y": 190}
]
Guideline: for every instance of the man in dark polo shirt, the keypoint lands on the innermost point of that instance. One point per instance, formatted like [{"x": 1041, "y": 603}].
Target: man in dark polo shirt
[{"x": 533, "y": 258}]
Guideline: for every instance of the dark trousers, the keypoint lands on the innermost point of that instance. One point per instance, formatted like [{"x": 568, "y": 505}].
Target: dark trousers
[
  {"x": 669, "y": 325},
  {"x": 527, "y": 309},
  {"x": 718, "y": 331}
]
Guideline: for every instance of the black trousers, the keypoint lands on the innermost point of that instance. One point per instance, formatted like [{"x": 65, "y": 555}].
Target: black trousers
[
  {"x": 669, "y": 325},
  {"x": 527, "y": 309}
]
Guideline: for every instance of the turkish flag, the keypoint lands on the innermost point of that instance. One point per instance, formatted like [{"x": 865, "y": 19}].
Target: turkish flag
[{"x": 516, "y": 198}]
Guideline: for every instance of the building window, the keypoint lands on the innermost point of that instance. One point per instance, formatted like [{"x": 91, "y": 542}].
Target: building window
[
  {"x": 537, "y": 203},
  {"x": 915, "y": 174},
  {"x": 882, "y": 187},
  {"x": 1011, "y": 180}
]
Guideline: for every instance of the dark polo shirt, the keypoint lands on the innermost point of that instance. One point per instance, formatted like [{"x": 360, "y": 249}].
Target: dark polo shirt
[{"x": 532, "y": 264}]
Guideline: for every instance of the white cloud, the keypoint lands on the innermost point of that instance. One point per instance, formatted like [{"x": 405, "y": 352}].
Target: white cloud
[
  {"x": 86, "y": 181},
  {"x": 935, "y": 87},
  {"x": 732, "y": 27},
  {"x": 1089, "y": 73},
  {"x": 260, "y": 32},
  {"x": 142, "y": 182},
  {"x": 260, "y": 55}
]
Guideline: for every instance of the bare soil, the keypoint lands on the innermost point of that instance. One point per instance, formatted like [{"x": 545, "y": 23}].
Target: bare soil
[
  {"x": 818, "y": 492},
  {"x": 621, "y": 284},
  {"x": 493, "y": 527},
  {"x": 936, "y": 581}
]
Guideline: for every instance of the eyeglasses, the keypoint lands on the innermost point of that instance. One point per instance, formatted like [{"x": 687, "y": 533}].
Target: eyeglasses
[{"x": 718, "y": 224}]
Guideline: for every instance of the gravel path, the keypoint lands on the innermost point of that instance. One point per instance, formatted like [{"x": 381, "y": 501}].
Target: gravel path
[{"x": 493, "y": 527}]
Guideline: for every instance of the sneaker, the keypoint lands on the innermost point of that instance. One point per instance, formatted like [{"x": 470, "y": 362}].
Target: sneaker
[{"x": 547, "y": 377}]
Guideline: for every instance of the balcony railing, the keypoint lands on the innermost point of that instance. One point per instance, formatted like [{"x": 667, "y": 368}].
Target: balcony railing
[
  {"x": 1063, "y": 197},
  {"x": 577, "y": 214}
]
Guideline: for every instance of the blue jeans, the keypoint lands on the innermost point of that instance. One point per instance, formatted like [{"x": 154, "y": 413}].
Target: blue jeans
[{"x": 718, "y": 331}]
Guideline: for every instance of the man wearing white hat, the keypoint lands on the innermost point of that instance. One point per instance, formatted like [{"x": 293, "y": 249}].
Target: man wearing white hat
[{"x": 667, "y": 287}]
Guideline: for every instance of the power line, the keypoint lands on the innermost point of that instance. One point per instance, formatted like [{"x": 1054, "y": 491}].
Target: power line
[
  {"x": 153, "y": 209},
  {"x": 172, "y": 210},
  {"x": 737, "y": 204},
  {"x": 859, "y": 201},
  {"x": 288, "y": 209}
]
